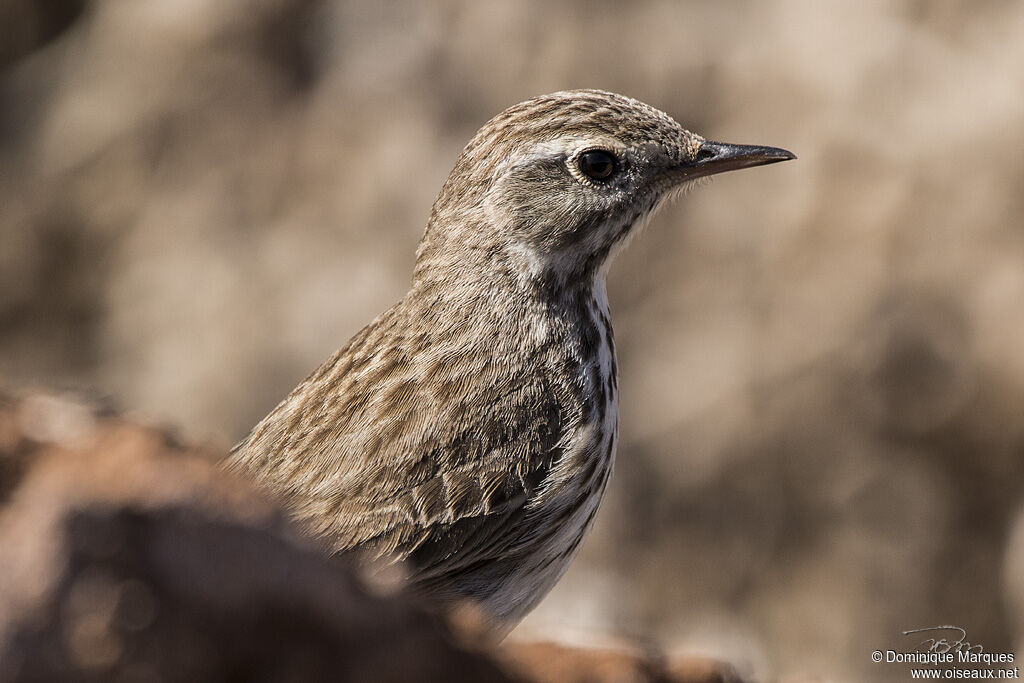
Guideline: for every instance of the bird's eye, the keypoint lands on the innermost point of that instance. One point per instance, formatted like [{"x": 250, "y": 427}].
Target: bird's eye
[{"x": 597, "y": 164}]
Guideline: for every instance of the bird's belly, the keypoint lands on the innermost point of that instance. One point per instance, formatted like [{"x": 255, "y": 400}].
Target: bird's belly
[{"x": 561, "y": 516}]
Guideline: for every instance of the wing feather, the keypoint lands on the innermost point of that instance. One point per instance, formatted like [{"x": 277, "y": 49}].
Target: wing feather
[{"x": 423, "y": 451}]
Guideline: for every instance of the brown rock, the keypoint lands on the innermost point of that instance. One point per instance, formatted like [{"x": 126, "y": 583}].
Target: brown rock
[
  {"x": 553, "y": 663},
  {"x": 129, "y": 558}
]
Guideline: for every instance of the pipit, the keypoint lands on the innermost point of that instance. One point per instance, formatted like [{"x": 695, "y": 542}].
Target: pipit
[{"x": 469, "y": 431}]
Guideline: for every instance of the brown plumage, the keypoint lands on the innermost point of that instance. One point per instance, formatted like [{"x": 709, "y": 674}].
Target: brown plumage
[{"x": 469, "y": 431}]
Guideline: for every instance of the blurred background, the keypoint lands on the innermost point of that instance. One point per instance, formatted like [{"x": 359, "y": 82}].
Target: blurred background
[{"x": 822, "y": 372}]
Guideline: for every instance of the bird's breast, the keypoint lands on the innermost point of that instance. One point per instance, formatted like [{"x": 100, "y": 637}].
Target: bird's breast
[{"x": 567, "y": 502}]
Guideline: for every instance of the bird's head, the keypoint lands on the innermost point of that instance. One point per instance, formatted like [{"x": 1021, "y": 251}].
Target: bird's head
[{"x": 552, "y": 186}]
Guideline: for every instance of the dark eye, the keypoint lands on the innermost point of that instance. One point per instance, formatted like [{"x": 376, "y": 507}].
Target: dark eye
[{"x": 597, "y": 164}]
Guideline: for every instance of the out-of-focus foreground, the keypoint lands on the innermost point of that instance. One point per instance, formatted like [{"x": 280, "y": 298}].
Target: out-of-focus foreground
[
  {"x": 136, "y": 558},
  {"x": 822, "y": 381}
]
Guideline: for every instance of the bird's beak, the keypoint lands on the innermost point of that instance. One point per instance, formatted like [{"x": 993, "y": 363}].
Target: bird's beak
[{"x": 718, "y": 157}]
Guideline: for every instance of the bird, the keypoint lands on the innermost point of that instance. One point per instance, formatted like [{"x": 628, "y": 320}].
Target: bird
[{"x": 469, "y": 432}]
